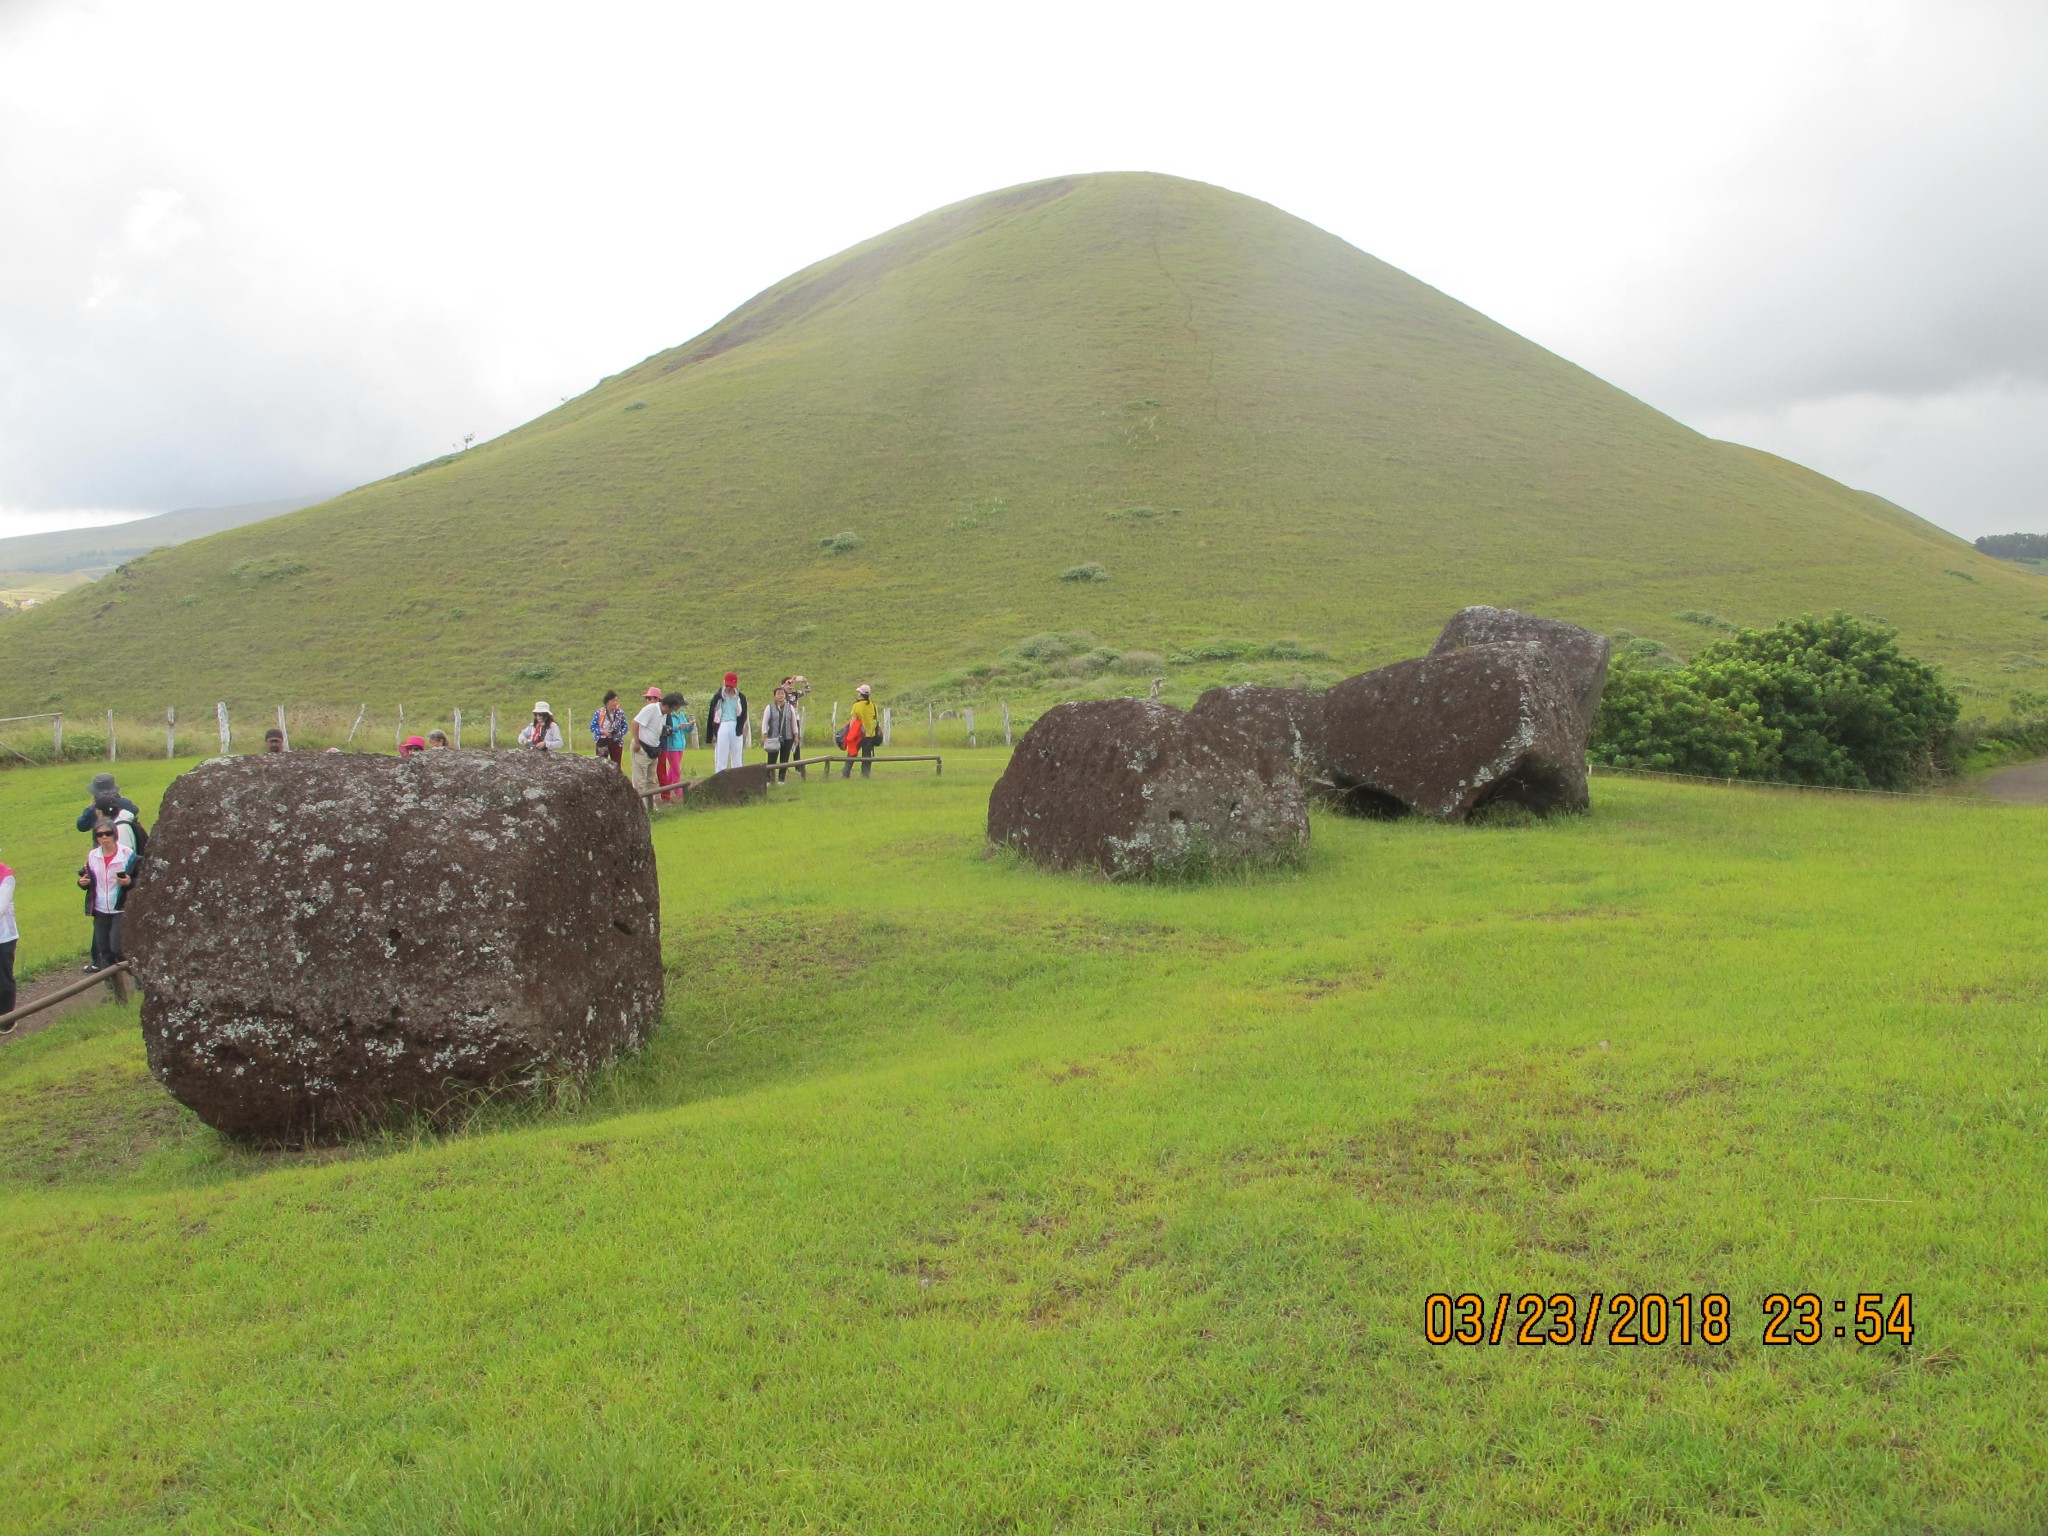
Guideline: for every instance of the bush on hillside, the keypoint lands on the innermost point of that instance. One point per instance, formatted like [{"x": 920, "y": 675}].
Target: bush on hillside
[
  {"x": 1089, "y": 572},
  {"x": 840, "y": 543},
  {"x": 1829, "y": 701}
]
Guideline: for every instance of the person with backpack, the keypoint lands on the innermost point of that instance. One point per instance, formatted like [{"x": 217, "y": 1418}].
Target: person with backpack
[
  {"x": 10, "y": 935},
  {"x": 781, "y": 731},
  {"x": 862, "y": 734},
  {"x": 649, "y": 726},
  {"x": 725, "y": 722},
  {"x": 675, "y": 737},
  {"x": 108, "y": 873},
  {"x": 109, "y": 804}
]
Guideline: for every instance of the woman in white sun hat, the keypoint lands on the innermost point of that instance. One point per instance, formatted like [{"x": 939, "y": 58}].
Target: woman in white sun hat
[{"x": 544, "y": 735}]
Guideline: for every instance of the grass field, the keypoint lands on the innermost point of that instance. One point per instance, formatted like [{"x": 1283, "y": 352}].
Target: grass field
[
  {"x": 954, "y": 1196},
  {"x": 882, "y": 468}
]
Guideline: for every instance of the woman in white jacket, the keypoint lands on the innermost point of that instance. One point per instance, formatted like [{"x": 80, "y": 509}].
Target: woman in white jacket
[{"x": 544, "y": 735}]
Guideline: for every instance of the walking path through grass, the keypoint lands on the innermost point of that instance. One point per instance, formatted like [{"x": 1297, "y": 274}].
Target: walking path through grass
[
  {"x": 955, "y": 1196},
  {"x": 2022, "y": 784}
]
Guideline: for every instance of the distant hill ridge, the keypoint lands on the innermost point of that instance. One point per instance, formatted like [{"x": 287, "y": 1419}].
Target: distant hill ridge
[
  {"x": 881, "y": 467},
  {"x": 93, "y": 550}
]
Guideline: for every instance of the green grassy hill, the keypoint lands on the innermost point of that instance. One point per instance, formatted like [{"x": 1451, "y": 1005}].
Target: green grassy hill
[{"x": 1255, "y": 430}]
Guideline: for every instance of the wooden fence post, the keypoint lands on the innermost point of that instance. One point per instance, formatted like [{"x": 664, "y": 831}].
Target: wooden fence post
[
  {"x": 970, "y": 730},
  {"x": 287, "y": 735},
  {"x": 57, "y": 737},
  {"x": 458, "y": 728},
  {"x": 1006, "y": 722},
  {"x": 494, "y": 727},
  {"x": 220, "y": 718},
  {"x": 931, "y": 722},
  {"x": 398, "y": 737},
  {"x": 171, "y": 732},
  {"x": 110, "y": 736},
  {"x": 357, "y": 726},
  {"x": 885, "y": 724}
]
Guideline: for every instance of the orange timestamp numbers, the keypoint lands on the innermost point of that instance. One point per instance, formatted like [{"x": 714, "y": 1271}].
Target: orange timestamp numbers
[
  {"x": 1630, "y": 1319},
  {"x": 1652, "y": 1318}
]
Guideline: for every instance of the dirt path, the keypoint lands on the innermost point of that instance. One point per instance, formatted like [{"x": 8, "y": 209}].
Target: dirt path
[
  {"x": 42, "y": 986},
  {"x": 2021, "y": 784}
]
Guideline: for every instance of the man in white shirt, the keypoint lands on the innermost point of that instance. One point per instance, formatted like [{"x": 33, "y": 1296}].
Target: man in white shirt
[
  {"x": 726, "y": 720},
  {"x": 648, "y": 726}
]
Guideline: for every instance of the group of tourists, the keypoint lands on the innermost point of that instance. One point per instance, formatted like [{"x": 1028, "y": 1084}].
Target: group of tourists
[{"x": 663, "y": 729}]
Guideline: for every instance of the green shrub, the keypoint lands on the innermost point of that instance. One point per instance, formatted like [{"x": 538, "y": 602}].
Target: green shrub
[
  {"x": 1089, "y": 572},
  {"x": 1850, "y": 708},
  {"x": 840, "y": 543},
  {"x": 267, "y": 568},
  {"x": 1052, "y": 647},
  {"x": 1655, "y": 718},
  {"x": 1815, "y": 701}
]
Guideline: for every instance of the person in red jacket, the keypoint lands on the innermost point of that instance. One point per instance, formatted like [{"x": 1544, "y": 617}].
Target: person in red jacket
[{"x": 855, "y": 734}]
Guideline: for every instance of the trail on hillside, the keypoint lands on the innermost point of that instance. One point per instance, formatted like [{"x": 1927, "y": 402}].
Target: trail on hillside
[{"x": 2021, "y": 784}]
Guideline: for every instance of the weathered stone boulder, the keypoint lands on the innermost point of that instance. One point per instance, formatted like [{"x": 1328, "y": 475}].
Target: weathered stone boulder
[
  {"x": 1133, "y": 788},
  {"x": 1289, "y": 718},
  {"x": 732, "y": 786},
  {"x": 1580, "y": 654},
  {"x": 1450, "y": 733},
  {"x": 325, "y": 940}
]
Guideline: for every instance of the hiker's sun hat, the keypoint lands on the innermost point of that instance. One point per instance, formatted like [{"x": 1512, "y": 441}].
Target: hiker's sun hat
[{"x": 652, "y": 693}]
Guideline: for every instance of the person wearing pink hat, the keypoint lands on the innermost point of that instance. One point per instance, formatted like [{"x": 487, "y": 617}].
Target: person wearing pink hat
[
  {"x": 726, "y": 724},
  {"x": 648, "y": 728},
  {"x": 412, "y": 744}
]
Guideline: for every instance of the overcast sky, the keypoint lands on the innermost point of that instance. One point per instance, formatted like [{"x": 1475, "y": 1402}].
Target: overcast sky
[{"x": 253, "y": 250}]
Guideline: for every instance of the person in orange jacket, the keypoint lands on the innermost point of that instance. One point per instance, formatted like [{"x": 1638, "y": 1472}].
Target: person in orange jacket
[
  {"x": 854, "y": 737},
  {"x": 870, "y": 723}
]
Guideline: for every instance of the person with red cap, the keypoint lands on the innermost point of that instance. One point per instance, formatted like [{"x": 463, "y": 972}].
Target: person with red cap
[
  {"x": 648, "y": 728},
  {"x": 726, "y": 724}
]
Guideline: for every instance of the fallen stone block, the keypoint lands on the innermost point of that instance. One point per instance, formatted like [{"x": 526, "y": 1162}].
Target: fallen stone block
[
  {"x": 326, "y": 941},
  {"x": 1448, "y": 734},
  {"x": 1288, "y": 718},
  {"x": 1131, "y": 787},
  {"x": 1580, "y": 654}
]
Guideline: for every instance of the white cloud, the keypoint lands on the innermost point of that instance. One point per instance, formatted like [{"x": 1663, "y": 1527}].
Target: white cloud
[{"x": 258, "y": 249}]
